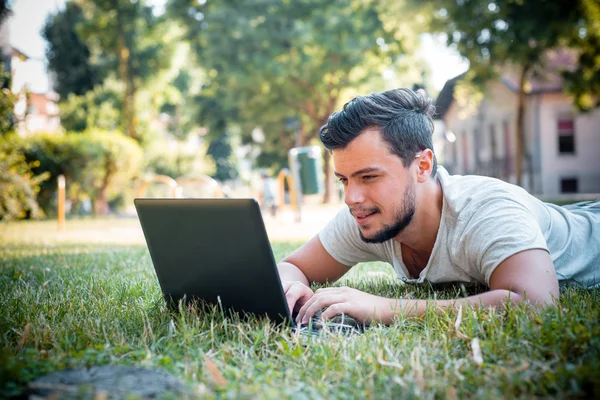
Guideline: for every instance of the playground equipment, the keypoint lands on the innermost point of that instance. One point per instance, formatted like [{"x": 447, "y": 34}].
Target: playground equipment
[
  {"x": 167, "y": 180},
  {"x": 61, "y": 202},
  {"x": 305, "y": 176},
  {"x": 284, "y": 177},
  {"x": 306, "y": 164},
  {"x": 205, "y": 181},
  {"x": 176, "y": 189}
]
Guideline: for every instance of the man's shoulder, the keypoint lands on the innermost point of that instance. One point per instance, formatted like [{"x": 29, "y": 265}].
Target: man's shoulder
[{"x": 470, "y": 193}]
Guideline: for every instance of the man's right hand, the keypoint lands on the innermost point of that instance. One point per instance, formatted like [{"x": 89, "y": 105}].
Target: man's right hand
[{"x": 296, "y": 294}]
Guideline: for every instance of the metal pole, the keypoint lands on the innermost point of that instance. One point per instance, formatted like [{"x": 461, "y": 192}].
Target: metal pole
[
  {"x": 295, "y": 170},
  {"x": 61, "y": 202}
]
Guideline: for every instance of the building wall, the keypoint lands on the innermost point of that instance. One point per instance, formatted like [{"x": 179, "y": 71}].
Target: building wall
[
  {"x": 483, "y": 135},
  {"x": 584, "y": 164},
  {"x": 486, "y": 142}
]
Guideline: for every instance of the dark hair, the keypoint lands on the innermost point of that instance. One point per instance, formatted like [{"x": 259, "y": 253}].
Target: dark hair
[{"x": 403, "y": 116}]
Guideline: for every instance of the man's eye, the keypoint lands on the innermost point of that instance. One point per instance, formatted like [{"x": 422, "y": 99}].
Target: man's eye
[
  {"x": 343, "y": 180},
  {"x": 369, "y": 177}
]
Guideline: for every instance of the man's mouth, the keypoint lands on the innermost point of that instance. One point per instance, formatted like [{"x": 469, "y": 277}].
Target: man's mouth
[{"x": 362, "y": 215}]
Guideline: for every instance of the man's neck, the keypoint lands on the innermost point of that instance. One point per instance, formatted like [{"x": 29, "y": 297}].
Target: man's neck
[{"x": 421, "y": 234}]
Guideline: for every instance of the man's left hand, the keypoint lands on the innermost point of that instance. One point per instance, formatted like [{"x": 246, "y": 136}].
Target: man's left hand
[{"x": 361, "y": 306}]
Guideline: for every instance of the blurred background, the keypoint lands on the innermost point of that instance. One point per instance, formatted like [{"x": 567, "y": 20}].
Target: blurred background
[{"x": 203, "y": 98}]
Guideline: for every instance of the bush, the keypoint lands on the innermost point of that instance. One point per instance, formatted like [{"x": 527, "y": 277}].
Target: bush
[
  {"x": 97, "y": 165},
  {"x": 18, "y": 185}
]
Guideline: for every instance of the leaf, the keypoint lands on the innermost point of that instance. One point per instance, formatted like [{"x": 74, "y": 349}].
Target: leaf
[
  {"x": 477, "y": 356},
  {"x": 214, "y": 372},
  {"x": 25, "y": 336},
  {"x": 457, "y": 331}
]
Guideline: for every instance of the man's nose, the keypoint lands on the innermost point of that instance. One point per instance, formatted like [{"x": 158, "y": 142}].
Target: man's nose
[{"x": 353, "y": 194}]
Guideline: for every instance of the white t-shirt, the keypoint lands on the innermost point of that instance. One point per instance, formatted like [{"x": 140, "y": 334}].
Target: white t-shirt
[{"x": 484, "y": 221}]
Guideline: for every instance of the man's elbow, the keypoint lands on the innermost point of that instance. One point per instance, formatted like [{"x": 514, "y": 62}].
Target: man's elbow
[{"x": 537, "y": 299}]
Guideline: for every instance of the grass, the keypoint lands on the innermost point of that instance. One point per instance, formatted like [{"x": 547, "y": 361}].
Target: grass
[{"x": 69, "y": 303}]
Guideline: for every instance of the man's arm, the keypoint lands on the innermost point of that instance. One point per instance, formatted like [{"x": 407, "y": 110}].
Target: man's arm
[
  {"x": 529, "y": 275},
  {"x": 310, "y": 263}
]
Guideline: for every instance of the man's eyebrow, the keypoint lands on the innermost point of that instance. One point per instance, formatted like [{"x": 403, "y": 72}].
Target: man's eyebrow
[{"x": 359, "y": 172}]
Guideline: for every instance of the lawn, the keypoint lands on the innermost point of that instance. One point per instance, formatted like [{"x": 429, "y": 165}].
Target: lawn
[{"x": 68, "y": 301}]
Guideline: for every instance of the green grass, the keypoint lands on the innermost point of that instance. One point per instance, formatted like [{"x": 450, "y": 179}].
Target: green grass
[{"x": 68, "y": 304}]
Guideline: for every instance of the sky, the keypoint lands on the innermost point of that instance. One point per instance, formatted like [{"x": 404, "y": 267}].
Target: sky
[{"x": 29, "y": 17}]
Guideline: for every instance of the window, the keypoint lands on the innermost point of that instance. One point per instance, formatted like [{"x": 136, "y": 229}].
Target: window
[
  {"x": 465, "y": 151},
  {"x": 507, "y": 148},
  {"x": 566, "y": 135},
  {"x": 569, "y": 185}
]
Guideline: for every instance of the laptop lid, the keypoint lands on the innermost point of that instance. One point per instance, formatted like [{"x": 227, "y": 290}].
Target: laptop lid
[{"x": 213, "y": 250}]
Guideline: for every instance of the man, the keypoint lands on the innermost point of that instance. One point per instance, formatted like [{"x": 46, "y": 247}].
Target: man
[
  {"x": 430, "y": 225},
  {"x": 268, "y": 201}
]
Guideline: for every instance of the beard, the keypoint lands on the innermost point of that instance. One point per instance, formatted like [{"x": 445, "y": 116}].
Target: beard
[{"x": 402, "y": 218}]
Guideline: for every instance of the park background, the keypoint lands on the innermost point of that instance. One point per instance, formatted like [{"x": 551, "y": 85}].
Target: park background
[{"x": 212, "y": 95}]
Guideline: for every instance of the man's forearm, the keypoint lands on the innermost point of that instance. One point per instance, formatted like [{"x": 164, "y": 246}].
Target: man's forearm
[
  {"x": 393, "y": 308},
  {"x": 289, "y": 272}
]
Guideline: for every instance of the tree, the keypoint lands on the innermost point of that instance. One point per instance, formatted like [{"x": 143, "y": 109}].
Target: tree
[
  {"x": 584, "y": 82},
  {"x": 18, "y": 185},
  {"x": 220, "y": 151},
  {"x": 506, "y": 33},
  {"x": 277, "y": 60},
  {"x": 7, "y": 102},
  {"x": 4, "y": 9},
  {"x": 68, "y": 55},
  {"x": 91, "y": 40}
]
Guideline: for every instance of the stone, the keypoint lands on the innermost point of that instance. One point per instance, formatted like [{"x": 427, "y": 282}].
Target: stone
[{"x": 109, "y": 382}]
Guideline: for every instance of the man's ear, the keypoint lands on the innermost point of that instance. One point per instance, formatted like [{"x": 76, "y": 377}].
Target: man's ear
[{"x": 424, "y": 165}]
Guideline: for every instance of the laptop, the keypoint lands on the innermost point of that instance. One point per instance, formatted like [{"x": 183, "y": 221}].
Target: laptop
[{"x": 217, "y": 251}]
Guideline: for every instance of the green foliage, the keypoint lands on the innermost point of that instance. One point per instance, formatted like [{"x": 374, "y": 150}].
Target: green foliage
[
  {"x": 7, "y": 102},
  {"x": 92, "y": 44},
  {"x": 4, "y": 9},
  {"x": 173, "y": 163},
  {"x": 504, "y": 31},
  {"x": 97, "y": 108},
  {"x": 273, "y": 60},
  {"x": 584, "y": 81},
  {"x": 494, "y": 35},
  {"x": 220, "y": 151},
  {"x": 96, "y": 165},
  {"x": 508, "y": 37},
  {"x": 76, "y": 304},
  {"x": 68, "y": 55},
  {"x": 18, "y": 185},
  {"x": 128, "y": 36}
]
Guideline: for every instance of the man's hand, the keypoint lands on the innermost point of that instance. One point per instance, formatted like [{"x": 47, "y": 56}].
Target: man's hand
[
  {"x": 296, "y": 294},
  {"x": 361, "y": 306}
]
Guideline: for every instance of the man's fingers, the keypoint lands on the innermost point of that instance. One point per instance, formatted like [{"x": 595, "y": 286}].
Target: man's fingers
[
  {"x": 330, "y": 290},
  {"x": 316, "y": 303},
  {"x": 335, "y": 309},
  {"x": 295, "y": 291}
]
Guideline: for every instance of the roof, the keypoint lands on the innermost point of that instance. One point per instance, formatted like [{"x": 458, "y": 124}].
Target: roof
[
  {"x": 18, "y": 53},
  {"x": 444, "y": 99},
  {"x": 544, "y": 80}
]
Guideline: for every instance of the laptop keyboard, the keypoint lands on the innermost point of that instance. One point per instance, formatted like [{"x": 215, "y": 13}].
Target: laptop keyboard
[{"x": 339, "y": 324}]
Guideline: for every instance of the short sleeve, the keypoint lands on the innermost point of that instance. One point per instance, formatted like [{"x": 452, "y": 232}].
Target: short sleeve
[
  {"x": 341, "y": 238},
  {"x": 498, "y": 230}
]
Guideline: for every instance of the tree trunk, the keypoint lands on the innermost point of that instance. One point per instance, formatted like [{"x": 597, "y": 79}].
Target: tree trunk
[
  {"x": 520, "y": 143},
  {"x": 101, "y": 202},
  {"x": 329, "y": 182},
  {"x": 124, "y": 73}
]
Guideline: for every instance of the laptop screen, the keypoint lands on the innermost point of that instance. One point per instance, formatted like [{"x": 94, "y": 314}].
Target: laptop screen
[{"x": 215, "y": 250}]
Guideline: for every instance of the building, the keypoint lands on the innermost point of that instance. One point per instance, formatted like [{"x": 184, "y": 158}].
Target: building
[
  {"x": 562, "y": 146},
  {"x": 34, "y": 112}
]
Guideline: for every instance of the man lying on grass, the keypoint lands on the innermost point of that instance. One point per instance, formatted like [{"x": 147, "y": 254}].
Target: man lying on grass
[{"x": 429, "y": 225}]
